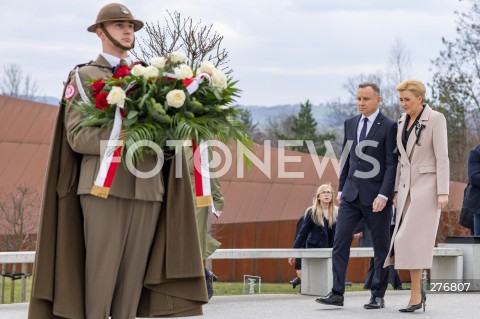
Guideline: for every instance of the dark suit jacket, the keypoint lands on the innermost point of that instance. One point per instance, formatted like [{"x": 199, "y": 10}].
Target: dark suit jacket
[
  {"x": 472, "y": 193},
  {"x": 312, "y": 235},
  {"x": 383, "y": 131}
]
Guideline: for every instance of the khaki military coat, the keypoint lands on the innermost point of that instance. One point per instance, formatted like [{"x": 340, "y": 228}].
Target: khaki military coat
[{"x": 174, "y": 283}]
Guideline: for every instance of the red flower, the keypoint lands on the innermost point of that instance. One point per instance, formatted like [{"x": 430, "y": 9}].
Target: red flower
[
  {"x": 101, "y": 101},
  {"x": 122, "y": 71},
  {"x": 96, "y": 87}
]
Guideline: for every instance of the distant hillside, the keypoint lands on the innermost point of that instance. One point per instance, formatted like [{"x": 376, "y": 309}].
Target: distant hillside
[
  {"x": 47, "y": 100},
  {"x": 261, "y": 114}
]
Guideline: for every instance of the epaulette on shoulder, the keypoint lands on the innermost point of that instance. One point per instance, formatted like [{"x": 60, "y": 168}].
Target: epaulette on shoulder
[
  {"x": 83, "y": 64},
  {"x": 78, "y": 66},
  {"x": 91, "y": 63}
]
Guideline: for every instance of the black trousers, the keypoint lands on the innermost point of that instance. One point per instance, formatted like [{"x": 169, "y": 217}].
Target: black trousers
[
  {"x": 393, "y": 278},
  {"x": 349, "y": 215}
]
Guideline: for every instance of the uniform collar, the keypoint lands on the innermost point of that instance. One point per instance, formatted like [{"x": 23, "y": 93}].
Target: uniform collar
[{"x": 114, "y": 60}]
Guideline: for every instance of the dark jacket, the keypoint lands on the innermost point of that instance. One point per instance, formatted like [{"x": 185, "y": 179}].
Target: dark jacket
[
  {"x": 383, "y": 131},
  {"x": 471, "y": 199},
  {"x": 472, "y": 194},
  {"x": 312, "y": 235}
]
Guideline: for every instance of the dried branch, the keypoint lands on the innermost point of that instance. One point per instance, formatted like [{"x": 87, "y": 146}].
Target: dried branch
[
  {"x": 198, "y": 42},
  {"x": 18, "y": 219}
]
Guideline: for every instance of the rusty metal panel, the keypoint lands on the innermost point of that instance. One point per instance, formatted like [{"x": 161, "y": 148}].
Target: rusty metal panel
[
  {"x": 299, "y": 199},
  {"x": 274, "y": 202},
  {"x": 267, "y": 237},
  {"x": 223, "y": 268},
  {"x": 243, "y": 237}
]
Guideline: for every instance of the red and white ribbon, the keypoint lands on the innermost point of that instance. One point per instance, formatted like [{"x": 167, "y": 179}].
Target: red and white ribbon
[
  {"x": 111, "y": 159},
  {"x": 201, "y": 173},
  {"x": 191, "y": 84}
]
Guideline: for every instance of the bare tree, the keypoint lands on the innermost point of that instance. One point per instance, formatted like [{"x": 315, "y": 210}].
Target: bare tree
[
  {"x": 198, "y": 42},
  {"x": 399, "y": 62},
  {"x": 15, "y": 84},
  {"x": 278, "y": 126},
  {"x": 396, "y": 70},
  {"x": 352, "y": 83},
  {"x": 18, "y": 219}
]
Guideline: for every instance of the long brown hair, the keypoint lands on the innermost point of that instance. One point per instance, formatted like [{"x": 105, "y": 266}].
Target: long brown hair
[{"x": 317, "y": 212}]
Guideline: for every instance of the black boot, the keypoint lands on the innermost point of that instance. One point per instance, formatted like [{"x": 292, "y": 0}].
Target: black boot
[
  {"x": 295, "y": 282},
  {"x": 210, "y": 277}
]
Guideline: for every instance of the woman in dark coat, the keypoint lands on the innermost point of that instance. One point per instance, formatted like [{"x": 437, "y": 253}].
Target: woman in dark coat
[{"x": 318, "y": 228}]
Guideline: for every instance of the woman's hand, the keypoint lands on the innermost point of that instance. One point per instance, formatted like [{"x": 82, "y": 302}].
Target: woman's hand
[
  {"x": 394, "y": 200},
  {"x": 442, "y": 201},
  {"x": 291, "y": 261}
]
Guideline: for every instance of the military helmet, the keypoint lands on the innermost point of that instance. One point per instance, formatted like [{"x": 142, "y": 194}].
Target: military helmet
[{"x": 115, "y": 12}]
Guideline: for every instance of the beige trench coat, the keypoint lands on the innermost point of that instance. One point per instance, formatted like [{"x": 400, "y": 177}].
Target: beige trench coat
[{"x": 422, "y": 174}]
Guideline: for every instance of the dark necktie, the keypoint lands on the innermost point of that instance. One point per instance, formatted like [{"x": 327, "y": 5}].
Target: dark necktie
[
  {"x": 119, "y": 65},
  {"x": 363, "y": 132}
]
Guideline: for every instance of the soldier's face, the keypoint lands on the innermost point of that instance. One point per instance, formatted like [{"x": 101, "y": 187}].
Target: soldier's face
[{"x": 122, "y": 31}]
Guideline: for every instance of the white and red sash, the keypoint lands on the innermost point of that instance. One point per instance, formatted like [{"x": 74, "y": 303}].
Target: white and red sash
[
  {"x": 201, "y": 173},
  {"x": 111, "y": 159}
]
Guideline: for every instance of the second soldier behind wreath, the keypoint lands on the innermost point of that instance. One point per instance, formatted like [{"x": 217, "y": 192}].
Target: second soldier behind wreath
[
  {"x": 366, "y": 190},
  {"x": 208, "y": 244}
]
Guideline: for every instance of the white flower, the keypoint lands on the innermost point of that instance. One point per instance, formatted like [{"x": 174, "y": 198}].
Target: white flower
[
  {"x": 219, "y": 79},
  {"x": 183, "y": 71},
  {"x": 177, "y": 57},
  {"x": 224, "y": 107},
  {"x": 138, "y": 70},
  {"x": 116, "y": 96},
  {"x": 207, "y": 67},
  {"x": 158, "y": 62},
  {"x": 176, "y": 98},
  {"x": 151, "y": 72}
]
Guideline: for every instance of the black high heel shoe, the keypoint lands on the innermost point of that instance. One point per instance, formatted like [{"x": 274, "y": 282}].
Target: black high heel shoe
[
  {"x": 295, "y": 282},
  {"x": 412, "y": 308}
]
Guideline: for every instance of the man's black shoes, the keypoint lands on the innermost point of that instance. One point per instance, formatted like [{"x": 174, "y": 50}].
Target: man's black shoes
[
  {"x": 375, "y": 303},
  {"x": 332, "y": 299},
  {"x": 210, "y": 277}
]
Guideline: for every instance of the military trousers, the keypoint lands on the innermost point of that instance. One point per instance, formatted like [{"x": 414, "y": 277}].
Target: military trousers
[{"x": 118, "y": 237}]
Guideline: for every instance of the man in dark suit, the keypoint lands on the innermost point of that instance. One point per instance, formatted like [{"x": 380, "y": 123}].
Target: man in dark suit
[
  {"x": 471, "y": 204},
  {"x": 366, "y": 188}
]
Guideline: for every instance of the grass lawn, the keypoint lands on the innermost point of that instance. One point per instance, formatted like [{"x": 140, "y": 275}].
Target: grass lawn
[
  {"x": 236, "y": 288},
  {"x": 221, "y": 289},
  {"x": 5, "y": 291}
]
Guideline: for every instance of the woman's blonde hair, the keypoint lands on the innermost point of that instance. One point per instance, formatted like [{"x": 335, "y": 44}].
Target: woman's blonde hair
[
  {"x": 317, "y": 212},
  {"x": 414, "y": 86}
]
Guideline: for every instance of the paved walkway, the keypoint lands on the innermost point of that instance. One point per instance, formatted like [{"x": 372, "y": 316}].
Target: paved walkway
[{"x": 439, "y": 306}]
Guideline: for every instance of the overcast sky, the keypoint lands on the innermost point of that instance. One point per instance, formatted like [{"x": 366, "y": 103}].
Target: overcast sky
[{"x": 282, "y": 52}]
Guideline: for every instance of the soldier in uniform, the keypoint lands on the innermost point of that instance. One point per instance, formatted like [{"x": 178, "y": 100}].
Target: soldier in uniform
[
  {"x": 122, "y": 259},
  {"x": 208, "y": 244}
]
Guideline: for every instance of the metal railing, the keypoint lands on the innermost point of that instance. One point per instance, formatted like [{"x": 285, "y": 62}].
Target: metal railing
[{"x": 17, "y": 257}]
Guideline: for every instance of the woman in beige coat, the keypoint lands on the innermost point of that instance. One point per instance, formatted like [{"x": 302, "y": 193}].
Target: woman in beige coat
[{"x": 421, "y": 186}]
